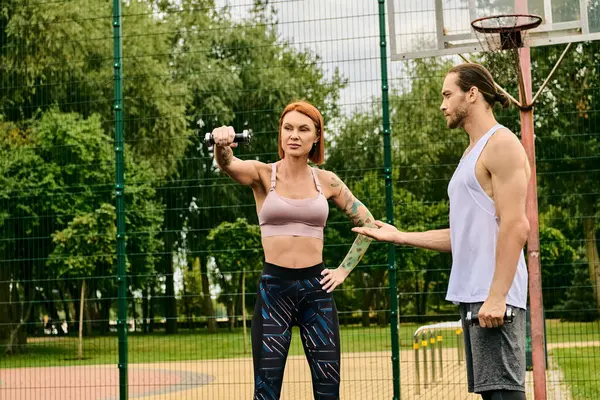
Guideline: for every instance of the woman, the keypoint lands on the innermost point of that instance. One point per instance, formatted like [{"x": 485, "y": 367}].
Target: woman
[{"x": 295, "y": 288}]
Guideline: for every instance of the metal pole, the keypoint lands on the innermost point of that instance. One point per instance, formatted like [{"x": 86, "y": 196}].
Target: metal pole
[
  {"x": 533, "y": 241},
  {"x": 417, "y": 367},
  {"x": 459, "y": 344},
  {"x": 439, "y": 341},
  {"x": 389, "y": 205},
  {"x": 120, "y": 199},
  {"x": 432, "y": 342},
  {"x": 425, "y": 372},
  {"x": 551, "y": 74},
  {"x": 533, "y": 244}
]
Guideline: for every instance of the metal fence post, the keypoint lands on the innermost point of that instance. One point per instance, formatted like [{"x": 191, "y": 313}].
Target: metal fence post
[
  {"x": 389, "y": 205},
  {"x": 120, "y": 199}
]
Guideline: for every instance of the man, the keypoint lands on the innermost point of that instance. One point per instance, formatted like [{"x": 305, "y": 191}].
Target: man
[{"x": 488, "y": 229}]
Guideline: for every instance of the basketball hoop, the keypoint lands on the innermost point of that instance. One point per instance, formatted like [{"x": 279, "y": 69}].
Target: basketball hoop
[
  {"x": 506, "y": 32},
  {"x": 501, "y": 37}
]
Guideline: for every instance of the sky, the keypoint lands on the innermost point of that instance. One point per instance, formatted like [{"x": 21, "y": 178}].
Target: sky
[{"x": 345, "y": 34}]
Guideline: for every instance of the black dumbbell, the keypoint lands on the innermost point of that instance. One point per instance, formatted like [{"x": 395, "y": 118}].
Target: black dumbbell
[
  {"x": 243, "y": 137},
  {"x": 473, "y": 319}
]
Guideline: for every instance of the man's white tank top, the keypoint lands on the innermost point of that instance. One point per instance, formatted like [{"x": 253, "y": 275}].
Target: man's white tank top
[{"x": 474, "y": 234}]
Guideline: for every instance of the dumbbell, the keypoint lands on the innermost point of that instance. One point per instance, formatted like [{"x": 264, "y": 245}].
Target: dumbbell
[
  {"x": 473, "y": 319},
  {"x": 243, "y": 137}
]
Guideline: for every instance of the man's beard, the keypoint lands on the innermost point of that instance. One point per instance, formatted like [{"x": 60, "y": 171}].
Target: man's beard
[{"x": 458, "y": 119}]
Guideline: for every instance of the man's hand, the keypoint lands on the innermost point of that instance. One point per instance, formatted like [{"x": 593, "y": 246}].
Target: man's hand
[
  {"x": 491, "y": 313},
  {"x": 384, "y": 233}
]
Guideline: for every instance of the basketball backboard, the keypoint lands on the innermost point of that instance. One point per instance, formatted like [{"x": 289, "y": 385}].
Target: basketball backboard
[{"x": 426, "y": 28}]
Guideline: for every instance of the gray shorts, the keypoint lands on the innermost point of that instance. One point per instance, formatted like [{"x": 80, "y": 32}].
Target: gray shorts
[{"x": 495, "y": 357}]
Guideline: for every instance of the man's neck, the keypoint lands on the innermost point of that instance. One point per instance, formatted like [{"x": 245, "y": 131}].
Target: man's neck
[{"x": 478, "y": 125}]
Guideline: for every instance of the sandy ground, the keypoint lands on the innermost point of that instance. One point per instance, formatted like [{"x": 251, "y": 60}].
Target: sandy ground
[{"x": 364, "y": 376}]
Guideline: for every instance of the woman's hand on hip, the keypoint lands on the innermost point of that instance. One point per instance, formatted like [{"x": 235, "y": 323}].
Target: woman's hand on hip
[{"x": 332, "y": 278}]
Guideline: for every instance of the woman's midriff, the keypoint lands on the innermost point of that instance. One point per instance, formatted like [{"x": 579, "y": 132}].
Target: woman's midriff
[{"x": 293, "y": 251}]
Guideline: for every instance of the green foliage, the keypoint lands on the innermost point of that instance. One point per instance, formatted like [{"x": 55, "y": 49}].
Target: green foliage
[
  {"x": 236, "y": 248},
  {"x": 559, "y": 261},
  {"x": 579, "y": 303},
  {"x": 59, "y": 54},
  {"x": 86, "y": 246},
  {"x": 45, "y": 60},
  {"x": 236, "y": 243},
  {"x": 567, "y": 142},
  {"x": 566, "y": 127},
  {"x": 18, "y": 167},
  {"x": 192, "y": 280},
  {"x": 58, "y": 171}
]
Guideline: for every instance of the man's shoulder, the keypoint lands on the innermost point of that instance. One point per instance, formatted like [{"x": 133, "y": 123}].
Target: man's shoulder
[
  {"x": 505, "y": 137},
  {"x": 504, "y": 150},
  {"x": 504, "y": 142}
]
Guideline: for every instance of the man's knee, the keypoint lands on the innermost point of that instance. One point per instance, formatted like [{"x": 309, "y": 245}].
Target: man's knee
[{"x": 503, "y": 395}]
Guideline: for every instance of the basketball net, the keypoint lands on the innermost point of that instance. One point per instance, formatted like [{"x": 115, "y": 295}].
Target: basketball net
[{"x": 501, "y": 37}]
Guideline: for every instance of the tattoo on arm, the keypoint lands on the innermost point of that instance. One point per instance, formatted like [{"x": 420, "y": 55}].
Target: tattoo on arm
[
  {"x": 226, "y": 155},
  {"x": 357, "y": 251},
  {"x": 350, "y": 204},
  {"x": 361, "y": 243},
  {"x": 360, "y": 216},
  {"x": 356, "y": 210},
  {"x": 335, "y": 182}
]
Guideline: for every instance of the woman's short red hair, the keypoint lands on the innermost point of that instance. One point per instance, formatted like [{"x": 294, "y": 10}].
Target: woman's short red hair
[{"x": 317, "y": 154}]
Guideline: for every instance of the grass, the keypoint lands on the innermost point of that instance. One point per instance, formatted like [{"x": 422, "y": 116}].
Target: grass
[
  {"x": 200, "y": 345},
  {"x": 158, "y": 347},
  {"x": 561, "y": 332},
  {"x": 580, "y": 368}
]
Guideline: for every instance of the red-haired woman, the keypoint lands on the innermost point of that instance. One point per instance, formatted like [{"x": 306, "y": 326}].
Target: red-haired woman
[{"x": 295, "y": 288}]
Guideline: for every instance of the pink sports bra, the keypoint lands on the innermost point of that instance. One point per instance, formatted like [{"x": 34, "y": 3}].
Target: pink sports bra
[{"x": 281, "y": 216}]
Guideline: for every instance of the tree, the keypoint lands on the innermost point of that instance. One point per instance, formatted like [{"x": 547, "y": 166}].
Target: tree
[
  {"x": 236, "y": 248},
  {"x": 567, "y": 142},
  {"x": 59, "y": 74},
  {"x": 62, "y": 57},
  {"x": 18, "y": 166},
  {"x": 559, "y": 261},
  {"x": 58, "y": 166},
  {"x": 61, "y": 177},
  {"x": 578, "y": 303},
  {"x": 84, "y": 249},
  {"x": 192, "y": 298}
]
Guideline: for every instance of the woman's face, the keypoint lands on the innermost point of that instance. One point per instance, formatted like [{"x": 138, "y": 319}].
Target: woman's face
[{"x": 298, "y": 134}]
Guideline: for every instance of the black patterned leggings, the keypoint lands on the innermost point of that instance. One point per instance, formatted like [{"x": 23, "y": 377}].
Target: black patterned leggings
[{"x": 288, "y": 297}]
